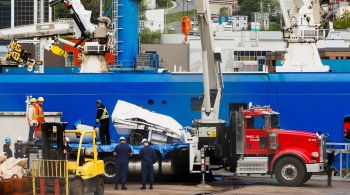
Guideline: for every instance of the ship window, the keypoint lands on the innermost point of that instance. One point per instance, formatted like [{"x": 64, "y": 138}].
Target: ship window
[
  {"x": 150, "y": 102},
  {"x": 256, "y": 122},
  {"x": 196, "y": 103},
  {"x": 347, "y": 128},
  {"x": 164, "y": 102}
]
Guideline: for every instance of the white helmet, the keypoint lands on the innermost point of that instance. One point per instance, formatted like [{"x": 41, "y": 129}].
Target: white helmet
[
  {"x": 67, "y": 139},
  {"x": 20, "y": 139},
  {"x": 144, "y": 140},
  {"x": 122, "y": 138}
]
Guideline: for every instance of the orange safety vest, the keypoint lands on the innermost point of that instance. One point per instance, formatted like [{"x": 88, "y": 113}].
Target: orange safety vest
[{"x": 40, "y": 111}]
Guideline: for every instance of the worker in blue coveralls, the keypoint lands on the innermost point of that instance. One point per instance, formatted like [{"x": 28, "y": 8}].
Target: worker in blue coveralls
[
  {"x": 148, "y": 158},
  {"x": 122, "y": 152}
]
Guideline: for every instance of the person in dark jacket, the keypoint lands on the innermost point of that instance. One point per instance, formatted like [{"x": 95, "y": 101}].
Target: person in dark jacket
[
  {"x": 122, "y": 152},
  {"x": 148, "y": 158},
  {"x": 102, "y": 117},
  {"x": 6, "y": 148},
  {"x": 19, "y": 148}
]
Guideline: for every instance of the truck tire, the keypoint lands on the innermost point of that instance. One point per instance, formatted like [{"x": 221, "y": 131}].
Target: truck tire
[
  {"x": 110, "y": 171},
  {"x": 290, "y": 171},
  {"x": 307, "y": 177},
  {"x": 100, "y": 188},
  {"x": 76, "y": 188}
]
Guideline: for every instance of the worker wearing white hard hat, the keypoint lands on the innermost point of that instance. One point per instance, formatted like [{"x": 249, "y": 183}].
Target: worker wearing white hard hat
[
  {"x": 19, "y": 148},
  {"x": 148, "y": 158},
  {"x": 41, "y": 118},
  {"x": 32, "y": 118},
  {"x": 122, "y": 152}
]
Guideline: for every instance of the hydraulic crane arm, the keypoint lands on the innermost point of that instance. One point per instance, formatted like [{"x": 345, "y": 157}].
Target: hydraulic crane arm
[
  {"x": 212, "y": 78},
  {"x": 80, "y": 16}
]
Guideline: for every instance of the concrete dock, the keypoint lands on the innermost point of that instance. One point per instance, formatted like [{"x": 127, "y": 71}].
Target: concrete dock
[{"x": 242, "y": 185}]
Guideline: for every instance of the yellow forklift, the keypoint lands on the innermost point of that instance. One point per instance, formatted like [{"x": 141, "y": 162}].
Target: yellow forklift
[{"x": 61, "y": 168}]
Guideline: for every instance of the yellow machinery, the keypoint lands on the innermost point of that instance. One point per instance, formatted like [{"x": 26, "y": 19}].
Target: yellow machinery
[
  {"x": 18, "y": 55},
  {"x": 80, "y": 169}
]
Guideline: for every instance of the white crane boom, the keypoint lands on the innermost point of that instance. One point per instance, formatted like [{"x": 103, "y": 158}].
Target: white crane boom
[{"x": 212, "y": 78}]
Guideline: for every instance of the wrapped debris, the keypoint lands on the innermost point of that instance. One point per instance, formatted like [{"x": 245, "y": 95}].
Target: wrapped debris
[{"x": 12, "y": 168}]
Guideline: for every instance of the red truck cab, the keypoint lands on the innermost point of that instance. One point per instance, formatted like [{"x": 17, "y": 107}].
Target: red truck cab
[{"x": 264, "y": 148}]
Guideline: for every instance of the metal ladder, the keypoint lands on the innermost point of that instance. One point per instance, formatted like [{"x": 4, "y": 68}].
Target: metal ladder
[{"x": 116, "y": 17}]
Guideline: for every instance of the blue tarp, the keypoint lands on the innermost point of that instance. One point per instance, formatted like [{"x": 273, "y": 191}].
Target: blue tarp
[{"x": 164, "y": 149}]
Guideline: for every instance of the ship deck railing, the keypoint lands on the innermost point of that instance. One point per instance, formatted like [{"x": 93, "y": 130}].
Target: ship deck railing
[{"x": 342, "y": 150}]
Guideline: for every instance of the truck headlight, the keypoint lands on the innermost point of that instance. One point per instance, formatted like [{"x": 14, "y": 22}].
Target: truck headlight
[{"x": 315, "y": 154}]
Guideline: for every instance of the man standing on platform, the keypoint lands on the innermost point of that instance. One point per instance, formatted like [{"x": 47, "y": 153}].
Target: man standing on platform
[{"x": 102, "y": 117}]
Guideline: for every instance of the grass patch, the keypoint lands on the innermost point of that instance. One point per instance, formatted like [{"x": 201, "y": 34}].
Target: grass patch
[{"x": 174, "y": 17}]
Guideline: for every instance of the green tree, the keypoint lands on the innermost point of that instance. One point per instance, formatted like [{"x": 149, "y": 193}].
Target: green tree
[
  {"x": 93, "y": 5},
  {"x": 343, "y": 22},
  {"x": 249, "y": 6},
  {"x": 60, "y": 11},
  {"x": 163, "y": 3},
  {"x": 224, "y": 11},
  {"x": 149, "y": 37}
]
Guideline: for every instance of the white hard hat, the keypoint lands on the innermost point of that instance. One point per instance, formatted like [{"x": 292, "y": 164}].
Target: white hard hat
[
  {"x": 67, "y": 139},
  {"x": 122, "y": 138},
  {"x": 144, "y": 140},
  {"x": 20, "y": 139}
]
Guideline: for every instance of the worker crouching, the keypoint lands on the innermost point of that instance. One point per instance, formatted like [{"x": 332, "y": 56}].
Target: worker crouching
[{"x": 148, "y": 158}]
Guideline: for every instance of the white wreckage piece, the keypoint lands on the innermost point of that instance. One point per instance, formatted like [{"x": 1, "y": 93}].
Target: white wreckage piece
[
  {"x": 11, "y": 167},
  {"x": 128, "y": 118}
]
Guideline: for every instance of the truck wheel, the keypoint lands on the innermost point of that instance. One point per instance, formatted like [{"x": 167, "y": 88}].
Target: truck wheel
[
  {"x": 76, "y": 187},
  {"x": 289, "y": 171},
  {"x": 110, "y": 171},
  {"x": 307, "y": 177},
  {"x": 100, "y": 186}
]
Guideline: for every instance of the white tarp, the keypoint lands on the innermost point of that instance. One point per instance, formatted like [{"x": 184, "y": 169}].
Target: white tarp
[
  {"x": 127, "y": 116},
  {"x": 84, "y": 16}
]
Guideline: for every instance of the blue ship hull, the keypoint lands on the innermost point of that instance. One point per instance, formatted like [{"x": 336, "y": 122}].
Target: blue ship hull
[{"x": 307, "y": 101}]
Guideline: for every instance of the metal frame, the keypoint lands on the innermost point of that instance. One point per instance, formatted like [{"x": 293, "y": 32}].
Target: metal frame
[
  {"x": 340, "y": 149},
  {"x": 50, "y": 169}
]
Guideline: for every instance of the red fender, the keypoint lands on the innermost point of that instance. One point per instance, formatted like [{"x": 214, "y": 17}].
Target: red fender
[{"x": 297, "y": 152}]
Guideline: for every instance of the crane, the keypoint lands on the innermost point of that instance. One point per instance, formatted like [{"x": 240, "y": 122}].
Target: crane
[
  {"x": 96, "y": 37},
  {"x": 209, "y": 127},
  {"x": 302, "y": 30}
]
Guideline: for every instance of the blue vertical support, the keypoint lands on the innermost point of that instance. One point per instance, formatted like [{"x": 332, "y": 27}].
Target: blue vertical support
[{"x": 127, "y": 33}]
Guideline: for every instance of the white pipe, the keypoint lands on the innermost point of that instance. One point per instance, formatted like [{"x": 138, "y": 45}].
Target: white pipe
[
  {"x": 12, "y": 13},
  {"x": 35, "y": 13},
  {"x": 101, "y": 8},
  {"x": 50, "y": 14},
  {"x": 42, "y": 11}
]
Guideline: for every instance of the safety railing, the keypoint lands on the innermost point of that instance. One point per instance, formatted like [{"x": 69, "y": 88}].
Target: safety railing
[
  {"x": 55, "y": 169},
  {"x": 342, "y": 150},
  {"x": 317, "y": 34}
]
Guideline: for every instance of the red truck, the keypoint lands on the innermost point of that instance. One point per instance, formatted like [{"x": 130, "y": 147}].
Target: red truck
[{"x": 262, "y": 147}]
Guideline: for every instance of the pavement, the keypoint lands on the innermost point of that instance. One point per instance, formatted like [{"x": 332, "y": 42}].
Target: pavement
[
  {"x": 235, "y": 185},
  {"x": 180, "y": 6}
]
